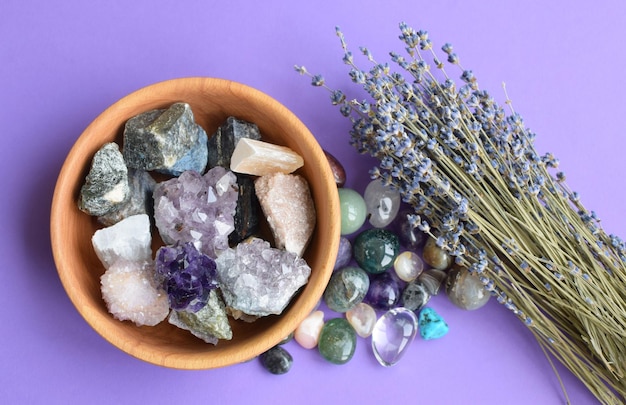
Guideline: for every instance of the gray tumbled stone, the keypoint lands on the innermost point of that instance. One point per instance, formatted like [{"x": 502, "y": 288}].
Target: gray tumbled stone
[
  {"x": 168, "y": 141},
  {"x": 106, "y": 185}
]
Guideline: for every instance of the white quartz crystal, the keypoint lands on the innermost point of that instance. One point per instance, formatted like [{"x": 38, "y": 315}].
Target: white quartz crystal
[{"x": 128, "y": 240}]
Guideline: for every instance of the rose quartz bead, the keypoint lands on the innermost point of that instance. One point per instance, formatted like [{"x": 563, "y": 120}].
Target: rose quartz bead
[
  {"x": 308, "y": 332},
  {"x": 362, "y": 317}
]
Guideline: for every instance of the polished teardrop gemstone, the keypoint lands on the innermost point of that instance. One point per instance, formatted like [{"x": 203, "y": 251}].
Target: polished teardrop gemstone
[
  {"x": 346, "y": 288},
  {"x": 383, "y": 203},
  {"x": 435, "y": 256},
  {"x": 408, "y": 266},
  {"x": 376, "y": 249},
  {"x": 392, "y": 335},
  {"x": 353, "y": 210},
  {"x": 362, "y": 317},
  {"x": 337, "y": 341},
  {"x": 431, "y": 324}
]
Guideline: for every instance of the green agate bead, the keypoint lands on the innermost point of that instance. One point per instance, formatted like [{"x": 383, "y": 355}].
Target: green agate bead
[
  {"x": 375, "y": 250},
  {"x": 337, "y": 341},
  {"x": 346, "y": 288},
  {"x": 353, "y": 210}
]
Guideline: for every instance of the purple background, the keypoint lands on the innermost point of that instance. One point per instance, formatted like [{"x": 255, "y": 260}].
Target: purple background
[{"x": 62, "y": 63}]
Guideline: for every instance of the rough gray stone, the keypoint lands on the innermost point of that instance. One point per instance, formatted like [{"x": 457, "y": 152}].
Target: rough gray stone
[
  {"x": 222, "y": 144},
  {"x": 106, "y": 185},
  {"x": 210, "y": 323},
  {"x": 140, "y": 201}
]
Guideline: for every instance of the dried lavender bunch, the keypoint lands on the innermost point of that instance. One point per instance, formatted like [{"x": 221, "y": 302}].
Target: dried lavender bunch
[{"x": 471, "y": 172}]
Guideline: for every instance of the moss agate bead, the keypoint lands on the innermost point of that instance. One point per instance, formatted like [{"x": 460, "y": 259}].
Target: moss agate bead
[
  {"x": 346, "y": 288},
  {"x": 353, "y": 210},
  {"x": 337, "y": 341},
  {"x": 375, "y": 250}
]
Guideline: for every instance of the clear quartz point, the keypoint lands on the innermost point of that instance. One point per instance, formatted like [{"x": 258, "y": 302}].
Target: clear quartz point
[{"x": 392, "y": 335}]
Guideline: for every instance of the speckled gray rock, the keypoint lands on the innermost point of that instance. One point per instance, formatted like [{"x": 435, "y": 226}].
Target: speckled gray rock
[
  {"x": 141, "y": 186},
  {"x": 415, "y": 296},
  {"x": 257, "y": 279},
  {"x": 168, "y": 141},
  {"x": 106, "y": 185},
  {"x": 210, "y": 323},
  {"x": 222, "y": 144}
]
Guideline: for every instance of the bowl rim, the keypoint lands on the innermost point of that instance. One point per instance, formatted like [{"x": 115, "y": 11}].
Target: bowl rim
[{"x": 204, "y": 360}]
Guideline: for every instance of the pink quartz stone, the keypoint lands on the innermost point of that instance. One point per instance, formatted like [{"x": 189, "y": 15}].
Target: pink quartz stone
[
  {"x": 308, "y": 332},
  {"x": 362, "y": 317},
  {"x": 286, "y": 202}
]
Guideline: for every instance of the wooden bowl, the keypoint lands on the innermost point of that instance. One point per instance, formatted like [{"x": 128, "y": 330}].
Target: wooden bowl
[{"x": 212, "y": 101}]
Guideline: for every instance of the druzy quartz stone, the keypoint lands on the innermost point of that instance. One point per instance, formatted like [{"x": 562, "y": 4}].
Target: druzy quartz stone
[
  {"x": 259, "y": 280},
  {"x": 376, "y": 249},
  {"x": 337, "y": 341},
  {"x": 392, "y": 335},
  {"x": 198, "y": 209},
  {"x": 165, "y": 140},
  {"x": 186, "y": 275},
  {"x": 288, "y": 206}
]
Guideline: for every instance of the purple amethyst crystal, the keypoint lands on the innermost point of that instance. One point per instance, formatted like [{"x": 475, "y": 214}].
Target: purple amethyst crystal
[
  {"x": 186, "y": 275},
  {"x": 197, "y": 209},
  {"x": 384, "y": 292}
]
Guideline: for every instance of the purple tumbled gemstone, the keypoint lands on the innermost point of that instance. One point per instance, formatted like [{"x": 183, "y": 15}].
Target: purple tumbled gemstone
[
  {"x": 186, "y": 275},
  {"x": 384, "y": 292},
  {"x": 344, "y": 254},
  {"x": 410, "y": 237}
]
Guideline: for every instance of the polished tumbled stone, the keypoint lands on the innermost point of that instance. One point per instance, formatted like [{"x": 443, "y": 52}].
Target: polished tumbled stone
[
  {"x": 106, "y": 185},
  {"x": 166, "y": 140},
  {"x": 198, "y": 209},
  {"x": 346, "y": 288},
  {"x": 140, "y": 200},
  {"x": 465, "y": 290},
  {"x": 383, "y": 203},
  {"x": 433, "y": 280},
  {"x": 258, "y": 279},
  {"x": 384, "y": 292},
  {"x": 307, "y": 334},
  {"x": 210, "y": 323},
  {"x": 344, "y": 253},
  {"x": 408, "y": 266},
  {"x": 339, "y": 173},
  {"x": 393, "y": 334},
  {"x": 410, "y": 236},
  {"x": 289, "y": 209},
  {"x": 435, "y": 256},
  {"x": 362, "y": 317},
  {"x": 276, "y": 360},
  {"x": 376, "y": 249},
  {"x": 337, "y": 341},
  {"x": 415, "y": 296},
  {"x": 431, "y": 324},
  {"x": 353, "y": 210}
]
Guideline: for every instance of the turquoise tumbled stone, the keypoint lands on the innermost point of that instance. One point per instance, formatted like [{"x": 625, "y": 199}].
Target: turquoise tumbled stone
[
  {"x": 375, "y": 250},
  {"x": 337, "y": 341},
  {"x": 431, "y": 324},
  {"x": 346, "y": 288},
  {"x": 353, "y": 210}
]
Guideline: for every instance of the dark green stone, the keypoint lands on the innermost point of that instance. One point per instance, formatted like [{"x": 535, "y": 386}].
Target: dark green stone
[
  {"x": 346, "y": 288},
  {"x": 337, "y": 341},
  {"x": 376, "y": 249}
]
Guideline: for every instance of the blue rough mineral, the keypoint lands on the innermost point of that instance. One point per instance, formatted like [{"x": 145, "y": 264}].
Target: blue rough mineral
[{"x": 166, "y": 140}]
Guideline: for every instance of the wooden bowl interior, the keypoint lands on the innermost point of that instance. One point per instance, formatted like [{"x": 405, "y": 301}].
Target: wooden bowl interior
[{"x": 212, "y": 101}]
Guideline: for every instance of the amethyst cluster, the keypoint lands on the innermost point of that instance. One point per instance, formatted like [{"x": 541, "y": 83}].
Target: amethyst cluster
[{"x": 187, "y": 276}]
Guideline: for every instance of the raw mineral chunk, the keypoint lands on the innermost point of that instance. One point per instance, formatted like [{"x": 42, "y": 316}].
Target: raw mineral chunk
[
  {"x": 197, "y": 209},
  {"x": 260, "y": 158},
  {"x": 221, "y": 147},
  {"x": 106, "y": 185},
  {"x": 130, "y": 293},
  {"x": 210, "y": 323},
  {"x": 168, "y": 141},
  {"x": 258, "y": 279},
  {"x": 127, "y": 240},
  {"x": 286, "y": 202},
  {"x": 186, "y": 275},
  {"x": 140, "y": 202},
  {"x": 222, "y": 144}
]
